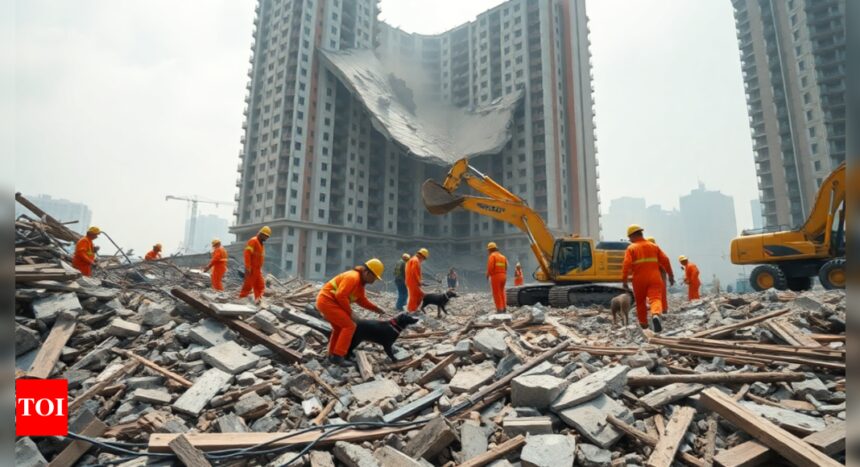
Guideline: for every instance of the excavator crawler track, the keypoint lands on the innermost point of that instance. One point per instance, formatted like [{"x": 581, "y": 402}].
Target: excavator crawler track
[
  {"x": 525, "y": 295},
  {"x": 582, "y": 295}
]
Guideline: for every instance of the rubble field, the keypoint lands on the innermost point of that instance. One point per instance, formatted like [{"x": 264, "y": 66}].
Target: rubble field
[{"x": 163, "y": 370}]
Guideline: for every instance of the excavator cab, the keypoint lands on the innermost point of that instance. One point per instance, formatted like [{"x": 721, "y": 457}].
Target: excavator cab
[{"x": 571, "y": 257}]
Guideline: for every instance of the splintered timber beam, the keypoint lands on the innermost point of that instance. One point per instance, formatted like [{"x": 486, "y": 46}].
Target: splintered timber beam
[{"x": 160, "y": 442}]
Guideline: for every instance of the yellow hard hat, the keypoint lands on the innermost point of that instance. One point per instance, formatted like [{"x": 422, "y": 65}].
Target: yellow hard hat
[
  {"x": 215, "y": 241},
  {"x": 682, "y": 258},
  {"x": 423, "y": 252},
  {"x": 405, "y": 256},
  {"x": 633, "y": 229},
  {"x": 492, "y": 246},
  {"x": 652, "y": 240},
  {"x": 266, "y": 230},
  {"x": 94, "y": 230},
  {"x": 376, "y": 267}
]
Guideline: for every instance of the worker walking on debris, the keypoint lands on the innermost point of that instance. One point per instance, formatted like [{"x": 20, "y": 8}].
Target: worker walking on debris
[
  {"x": 413, "y": 279},
  {"x": 452, "y": 278},
  {"x": 85, "y": 255},
  {"x": 400, "y": 282},
  {"x": 335, "y": 301},
  {"x": 218, "y": 264},
  {"x": 664, "y": 276},
  {"x": 255, "y": 254},
  {"x": 518, "y": 274},
  {"x": 153, "y": 254},
  {"x": 644, "y": 260},
  {"x": 497, "y": 273},
  {"x": 691, "y": 277}
]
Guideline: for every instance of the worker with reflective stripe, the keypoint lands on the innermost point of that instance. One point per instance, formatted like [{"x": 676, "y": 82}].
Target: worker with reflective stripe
[
  {"x": 255, "y": 254},
  {"x": 413, "y": 280},
  {"x": 644, "y": 259},
  {"x": 218, "y": 264},
  {"x": 691, "y": 277},
  {"x": 400, "y": 282},
  {"x": 335, "y": 301},
  {"x": 153, "y": 254},
  {"x": 518, "y": 274},
  {"x": 85, "y": 254},
  {"x": 497, "y": 273},
  {"x": 665, "y": 278}
]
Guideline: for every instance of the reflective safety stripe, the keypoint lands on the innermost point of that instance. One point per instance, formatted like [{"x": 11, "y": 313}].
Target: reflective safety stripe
[
  {"x": 645, "y": 260},
  {"x": 249, "y": 247},
  {"x": 501, "y": 265}
]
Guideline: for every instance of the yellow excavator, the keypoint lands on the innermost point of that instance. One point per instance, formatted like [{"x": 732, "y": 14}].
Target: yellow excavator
[
  {"x": 572, "y": 270},
  {"x": 789, "y": 259}
]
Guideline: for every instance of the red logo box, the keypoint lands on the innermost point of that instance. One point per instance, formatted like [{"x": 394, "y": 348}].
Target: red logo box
[{"x": 41, "y": 407}]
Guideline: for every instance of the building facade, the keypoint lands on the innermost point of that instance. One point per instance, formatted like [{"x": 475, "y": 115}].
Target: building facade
[
  {"x": 336, "y": 190},
  {"x": 709, "y": 225},
  {"x": 208, "y": 227},
  {"x": 63, "y": 210},
  {"x": 794, "y": 68}
]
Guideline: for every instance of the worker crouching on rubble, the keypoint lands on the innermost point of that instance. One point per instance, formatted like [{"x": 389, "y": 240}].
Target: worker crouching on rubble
[
  {"x": 644, "y": 260},
  {"x": 255, "y": 255},
  {"x": 218, "y": 264},
  {"x": 413, "y": 280},
  {"x": 335, "y": 301},
  {"x": 153, "y": 254},
  {"x": 497, "y": 273},
  {"x": 85, "y": 255}
]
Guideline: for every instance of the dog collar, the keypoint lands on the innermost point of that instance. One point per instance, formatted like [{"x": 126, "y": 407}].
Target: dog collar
[{"x": 393, "y": 324}]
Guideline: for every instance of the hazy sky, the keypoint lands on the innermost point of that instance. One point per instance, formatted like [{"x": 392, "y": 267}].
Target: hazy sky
[{"x": 118, "y": 104}]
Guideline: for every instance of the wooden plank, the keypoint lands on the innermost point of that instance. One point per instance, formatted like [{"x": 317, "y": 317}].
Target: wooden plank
[
  {"x": 715, "y": 378},
  {"x": 565, "y": 331},
  {"x": 667, "y": 445},
  {"x": 244, "y": 329},
  {"x": 77, "y": 448},
  {"x": 786, "y": 444},
  {"x": 128, "y": 368},
  {"x": 436, "y": 370},
  {"x": 365, "y": 369},
  {"x": 723, "y": 330},
  {"x": 155, "y": 367},
  {"x": 324, "y": 412},
  {"x": 710, "y": 448},
  {"x": 187, "y": 453},
  {"x": 50, "y": 351},
  {"x": 159, "y": 442},
  {"x": 669, "y": 394},
  {"x": 752, "y": 357},
  {"x": 649, "y": 440},
  {"x": 497, "y": 452},
  {"x": 786, "y": 329},
  {"x": 830, "y": 441}
]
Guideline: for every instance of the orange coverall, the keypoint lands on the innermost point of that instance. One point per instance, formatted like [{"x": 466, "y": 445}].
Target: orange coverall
[
  {"x": 218, "y": 264},
  {"x": 644, "y": 259},
  {"x": 665, "y": 295},
  {"x": 85, "y": 256},
  {"x": 497, "y": 272},
  {"x": 413, "y": 284},
  {"x": 255, "y": 252},
  {"x": 691, "y": 276},
  {"x": 518, "y": 276},
  {"x": 152, "y": 255},
  {"x": 335, "y": 301}
]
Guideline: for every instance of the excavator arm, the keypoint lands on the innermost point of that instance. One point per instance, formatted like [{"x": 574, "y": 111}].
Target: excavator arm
[
  {"x": 830, "y": 197},
  {"x": 497, "y": 202}
]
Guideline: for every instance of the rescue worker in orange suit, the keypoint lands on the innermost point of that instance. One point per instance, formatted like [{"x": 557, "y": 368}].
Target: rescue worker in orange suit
[
  {"x": 218, "y": 264},
  {"x": 335, "y": 301},
  {"x": 255, "y": 254},
  {"x": 691, "y": 277},
  {"x": 497, "y": 273},
  {"x": 413, "y": 280},
  {"x": 518, "y": 275},
  {"x": 85, "y": 254},
  {"x": 665, "y": 278},
  {"x": 153, "y": 254},
  {"x": 644, "y": 260}
]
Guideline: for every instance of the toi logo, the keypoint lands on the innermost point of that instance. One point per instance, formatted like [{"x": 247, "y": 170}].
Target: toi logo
[{"x": 41, "y": 407}]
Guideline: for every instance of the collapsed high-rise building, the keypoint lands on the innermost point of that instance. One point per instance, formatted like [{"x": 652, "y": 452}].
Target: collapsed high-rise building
[{"x": 347, "y": 116}]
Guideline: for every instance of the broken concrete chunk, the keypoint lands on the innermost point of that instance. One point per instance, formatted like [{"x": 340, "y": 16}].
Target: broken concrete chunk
[
  {"x": 669, "y": 394},
  {"x": 311, "y": 407},
  {"x": 433, "y": 437},
  {"x": 266, "y": 321},
  {"x": 812, "y": 386},
  {"x": 470, "y": 378},
  {"x": 27, "y": 454},
  {"x": 354, "y": 456},
  {"x": 548, "y": 451},
  {"x": 26, "y": 339},
  {"x": 387, "y": 456},
  {"x": 233, "y": 309},
  {"x": 608, "y": 380},
  {"x": 251, "y": 406},
  {"x": 231, "y": 423},
  {"x": 368, "y": 413},
  {"x": 373, "y": 391},
  {"x": 209, "y": 333},
  {"x": 500, "y": 318},
  {"x": 589, "y": 455},
  {"x": 473, "y": 440},
  {"x": 46, "y": 309},
  {"x": 589, "y": 419},
  {"x": 538, "y": 391},
  {"x": 122, "y": 328},
  {"x": 153, "y": 314},
  {"x": 230, "y": 357},
  {"x": 195, "y": 398},
  {"x": 151, "y": 396},
  {"x": 491, "y": 342},
  {"x": 790, "y": 420},
  {"x": 317, "y": 459}
]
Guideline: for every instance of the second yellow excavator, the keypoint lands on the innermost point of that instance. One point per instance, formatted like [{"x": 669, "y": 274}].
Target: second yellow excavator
[{"x": 572, "y": 270}]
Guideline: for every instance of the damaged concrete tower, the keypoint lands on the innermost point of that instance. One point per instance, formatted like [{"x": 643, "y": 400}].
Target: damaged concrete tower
[{"x": 346, "y": 116}]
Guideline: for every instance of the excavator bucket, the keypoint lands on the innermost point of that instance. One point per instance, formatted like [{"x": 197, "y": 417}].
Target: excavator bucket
[{"x": 437, "y": 199}]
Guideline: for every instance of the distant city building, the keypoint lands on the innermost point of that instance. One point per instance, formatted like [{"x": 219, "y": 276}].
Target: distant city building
[
  {"x": 61, "y": 209},
  {"x": 793, "y": 58},
  {"x": 346, "y": 116},
  {"x": 622, "y": 212},
  {"x": 709, "y": 225},
  {"x": 209, "y": 226},
  {"x": 755, "y": 207}
]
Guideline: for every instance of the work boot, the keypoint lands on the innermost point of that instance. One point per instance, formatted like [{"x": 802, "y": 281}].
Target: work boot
[
  {"x": 643, "y": 325},
  {"x": 339, "y": 361},
  {"x": 655, "y": 321}
]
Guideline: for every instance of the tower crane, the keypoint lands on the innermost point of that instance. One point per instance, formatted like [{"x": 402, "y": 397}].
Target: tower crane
[{"x": 193, "y": 200}]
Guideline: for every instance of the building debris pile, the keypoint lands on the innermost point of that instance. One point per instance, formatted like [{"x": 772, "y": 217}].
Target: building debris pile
[{"x": 159, "y": 365}]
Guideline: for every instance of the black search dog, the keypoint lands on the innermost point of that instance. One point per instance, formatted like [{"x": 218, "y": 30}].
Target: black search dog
[
  {"x": 383, "y": 333},
  {"x": 438, "y": 299}
]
